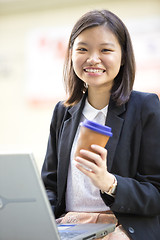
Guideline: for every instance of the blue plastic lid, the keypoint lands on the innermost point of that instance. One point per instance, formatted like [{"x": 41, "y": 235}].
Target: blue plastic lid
[{"x": 97, "y": 127}]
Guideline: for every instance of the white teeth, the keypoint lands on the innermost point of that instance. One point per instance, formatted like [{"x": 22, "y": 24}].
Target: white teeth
[{"x": 94, "y": 70}]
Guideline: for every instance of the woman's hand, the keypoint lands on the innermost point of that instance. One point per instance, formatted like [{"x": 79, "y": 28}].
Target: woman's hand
[{"x": 96, "y": 169}]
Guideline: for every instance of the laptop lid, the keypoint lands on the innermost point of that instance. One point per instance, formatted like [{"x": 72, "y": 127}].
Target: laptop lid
[{"x": 25, "y": 212}]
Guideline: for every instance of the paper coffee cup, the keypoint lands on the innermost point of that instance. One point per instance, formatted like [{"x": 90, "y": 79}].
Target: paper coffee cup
[{"x": 92, "y": 133}]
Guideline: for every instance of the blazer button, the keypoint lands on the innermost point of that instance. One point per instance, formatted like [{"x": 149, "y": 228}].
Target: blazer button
[{"x": 131, "y": 230}]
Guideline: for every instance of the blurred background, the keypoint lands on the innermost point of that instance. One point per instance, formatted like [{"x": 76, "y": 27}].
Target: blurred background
[{"x": 33, "y": 38}]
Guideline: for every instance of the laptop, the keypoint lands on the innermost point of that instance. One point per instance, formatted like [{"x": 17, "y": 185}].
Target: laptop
[{"x": 25, "y": 212}]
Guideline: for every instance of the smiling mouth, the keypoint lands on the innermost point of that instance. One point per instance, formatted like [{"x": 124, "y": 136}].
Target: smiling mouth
[{"x": 92, "y": 70}]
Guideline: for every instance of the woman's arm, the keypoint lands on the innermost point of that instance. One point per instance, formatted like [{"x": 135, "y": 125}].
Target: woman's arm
[
  {"x": 140, "y": 194},
  {"x": 49, "y": 168}
]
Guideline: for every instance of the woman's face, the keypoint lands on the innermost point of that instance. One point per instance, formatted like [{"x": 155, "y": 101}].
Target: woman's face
[{"x": 96, "y": 57}]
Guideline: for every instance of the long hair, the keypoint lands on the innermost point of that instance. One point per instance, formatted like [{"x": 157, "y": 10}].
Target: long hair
[{"x": 123, "y": 82}]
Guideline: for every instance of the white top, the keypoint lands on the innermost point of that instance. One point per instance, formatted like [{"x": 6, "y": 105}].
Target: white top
[{"x": 81, "y": 194}]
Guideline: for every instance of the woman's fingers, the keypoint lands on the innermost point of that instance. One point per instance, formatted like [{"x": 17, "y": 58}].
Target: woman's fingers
[
  {"x": 84, "y": 169},
  {"x": 98, "y": 156},
  {"x": 100, "y": 150},
  {"x": 92, "y": 161},
  {"x": 86, "y": 164}
]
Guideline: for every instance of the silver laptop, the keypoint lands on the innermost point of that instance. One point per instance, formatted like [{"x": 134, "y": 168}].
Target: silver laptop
[{"x": 25, "y": 212}]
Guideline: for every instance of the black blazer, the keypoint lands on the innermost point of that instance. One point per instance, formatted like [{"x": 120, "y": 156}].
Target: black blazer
[{"x": 133, "y": 157}]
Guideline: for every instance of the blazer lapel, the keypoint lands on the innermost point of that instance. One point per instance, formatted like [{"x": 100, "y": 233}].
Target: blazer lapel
[
  {"x": 65, "y": 143},
  {"x": 114, "y": 121}
]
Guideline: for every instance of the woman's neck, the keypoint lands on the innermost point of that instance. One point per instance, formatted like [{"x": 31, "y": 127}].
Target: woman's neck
[{"x": 98, "y": 99}]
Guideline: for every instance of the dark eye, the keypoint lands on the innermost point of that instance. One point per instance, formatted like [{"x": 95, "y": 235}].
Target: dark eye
[
  {"x": 106, "y": 50},
  {"x": 82, "y": 49}
]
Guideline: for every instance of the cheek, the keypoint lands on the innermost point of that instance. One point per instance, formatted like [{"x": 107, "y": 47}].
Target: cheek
[
  {"x": 114, "y": 62},
  {"x": 74, "y": 63},
  {"x": 77, "y": 64}
]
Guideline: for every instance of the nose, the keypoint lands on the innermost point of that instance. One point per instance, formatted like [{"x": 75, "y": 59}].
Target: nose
[{"x": 93, "y": 59}]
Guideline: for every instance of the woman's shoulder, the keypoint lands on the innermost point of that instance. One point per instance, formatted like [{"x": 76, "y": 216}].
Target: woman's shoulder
[
  {"x": 143, "y": 97},
  {"x": 59, "y": 110},
  {"x": 60, "y": 106},
  {"x": 144, "y": 102}
]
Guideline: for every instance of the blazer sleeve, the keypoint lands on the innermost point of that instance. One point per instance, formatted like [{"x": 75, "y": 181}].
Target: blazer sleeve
[
  {"x": 140, "y": 194},
  {"x": 49, "y": 168}
]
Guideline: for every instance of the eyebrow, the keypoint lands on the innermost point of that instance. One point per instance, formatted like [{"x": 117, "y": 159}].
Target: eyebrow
[
  {"x": 102, "y": 44},
  {"x": 108, "y": 44},
  {"x": 82, "y": 43}
]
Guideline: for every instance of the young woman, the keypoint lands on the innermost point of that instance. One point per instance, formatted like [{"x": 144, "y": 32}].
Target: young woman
[{"x": 124, "y": 184}]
